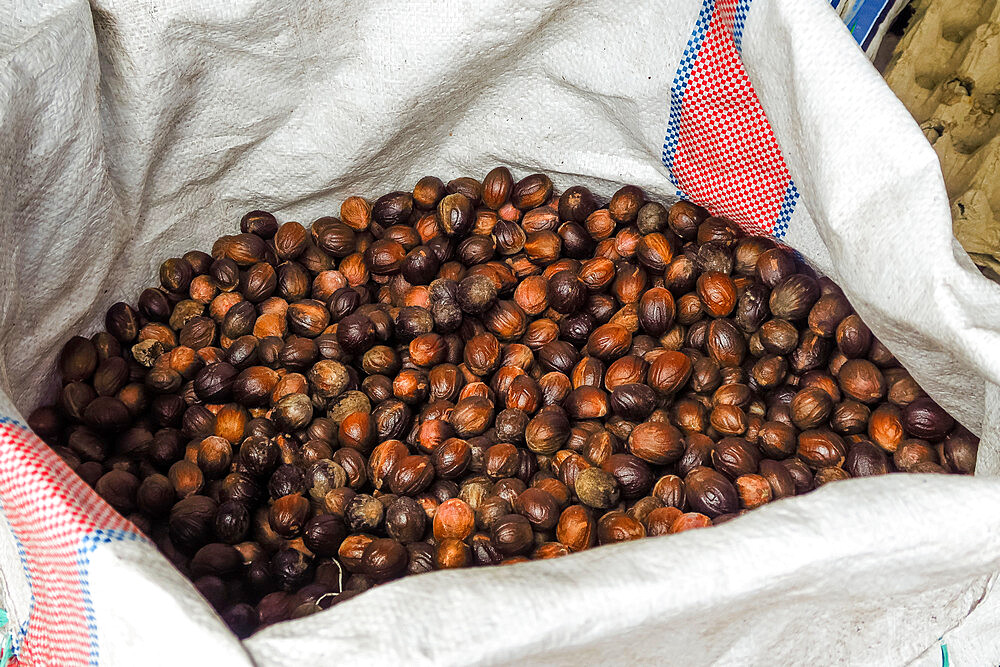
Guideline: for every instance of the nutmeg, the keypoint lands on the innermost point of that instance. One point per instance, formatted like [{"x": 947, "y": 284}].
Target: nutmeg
[
  {"x": 810, "y": 408},
  {"x": 820, "y": 448},
  {"x": 923, "y": 418},
  {"x": 669, "y": 371},
  {"x": 754, "y": 491},
  {"x": 288, "y": 514},
  {"x": 511, "y": 535},
  {"x": 710, "y": 493},
  {"x": 659, "y": 443},
  {"x": 960, "y": 452},
  {"x": 861, "y": 380},
  {"x": 597, "y": 488},
  {"x": 473, "y": 373},
  {"x": 885, "y": 427},
  {"x": 531, "y": 191}
]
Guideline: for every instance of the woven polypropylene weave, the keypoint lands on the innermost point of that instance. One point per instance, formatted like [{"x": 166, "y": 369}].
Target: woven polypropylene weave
[
  {"x": 719, "y": 145},
  {"x": 57, "y": 520}
]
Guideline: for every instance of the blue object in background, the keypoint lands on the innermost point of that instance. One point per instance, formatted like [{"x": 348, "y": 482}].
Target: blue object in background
[{"x": 868, "y": 20}]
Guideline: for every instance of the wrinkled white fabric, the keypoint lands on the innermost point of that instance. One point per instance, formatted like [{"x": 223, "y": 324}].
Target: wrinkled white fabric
[{"x": 131, "y": 131}]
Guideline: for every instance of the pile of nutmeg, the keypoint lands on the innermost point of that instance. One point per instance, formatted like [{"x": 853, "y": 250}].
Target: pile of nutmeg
[{"x": 472, "y": 373}]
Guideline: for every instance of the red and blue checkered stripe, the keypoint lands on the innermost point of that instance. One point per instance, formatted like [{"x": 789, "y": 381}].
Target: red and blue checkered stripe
[
  {"x": 719, "y": 149},
  {"x": 58, "y": 522}
]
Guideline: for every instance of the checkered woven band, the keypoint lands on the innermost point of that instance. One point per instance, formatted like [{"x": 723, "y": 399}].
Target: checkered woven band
[
  {"x": 719, "y": 148},
  {"x": 57, "y": 521}
]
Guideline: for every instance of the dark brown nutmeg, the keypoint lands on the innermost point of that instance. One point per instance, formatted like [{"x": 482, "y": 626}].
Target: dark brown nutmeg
[
  {"x": 669, "y": 372},
  {"x": 655, "y": 251},
  {"x": 778, "y": 336},
  {"x": 710, "y": 493},
  {"x": 455, "y": 215},
  {"x": 850, "y": 417},
  {"x": 820, "y": 448},
  {"x": 384, "y": 257},
  {"x": 794, "y": 297},
  {"x": 392, "y": 209},
  {"x": 427, "y": 192},
  {"x": 307, "y": 318},
  {"x": 511, "y": 535},
  {"x": 355, "y": 333},
  {"x": 323, "y": 534},
  {"x": 669, "y": 489},
  {"x": 420, "y": 266},
  {"x": 828, "y": 312},
  {"x": 531, "y": 192},
  {"x": 547, "y": 431},
  {"x": 497, "y": 187},
  {"x": 261, "y": 223},
  {"x": 735, "y": 456},
  {"x": 634, "y": 476},
  {"x": 923, "y": 418},
  {"x": 576, "y": 204},
  {"x": 214, "y": 383},
  {"x": 176, "y": 275},
  {"x": 471, "y": 416},
  {"x": 725, "y": 344},
  {"x": 854, "y": 338},
  {"x": 778, "y": 478},
  {"x": 625, "y": 204},
  {"x": 609, "y": 341},
  {"x": 617, "y": 526},
  {"x": 960, "y": 451},
  {"x": 411, "y": 475},
  {"x": 122, "y": 322},
  {"x": 107, "y": 414},
  {"x": 451, "y": 459},
  {"x": 119, "y": 489},
  {"x": 774, "y": 266},
  {"x": 684, "y": 219},
  {"x": 866, "y": 460},
  {"x": 290, "y": 240},
  {"x": 719, "y": 230},
  {"x": 656, "y": 311},
  {"x": 748, "y": 252},
  {"x": 586, "y": 402},
  {"x": 191, "y": 522},
  {"x": 752, "y": 309},
  {"x": 384, "y": 559},
  {"x": 566, "y": 293},
  {"x": 78, "y": 359},
  {"x": 634, "y": 402},
  {"x": 810, "y": 408}
]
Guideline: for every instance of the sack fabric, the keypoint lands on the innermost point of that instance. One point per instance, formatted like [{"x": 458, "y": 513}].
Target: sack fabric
[{"x": 134, "y": 130}]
